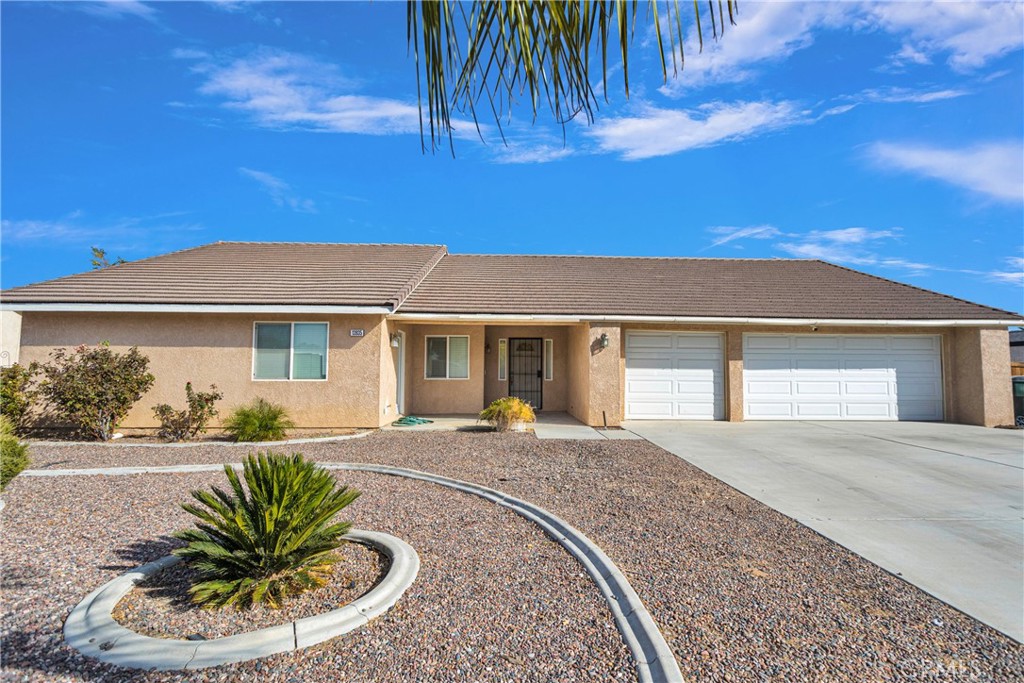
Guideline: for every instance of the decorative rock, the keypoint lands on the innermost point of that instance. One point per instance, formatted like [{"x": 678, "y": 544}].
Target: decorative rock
[{"x": 92, "y": 630}]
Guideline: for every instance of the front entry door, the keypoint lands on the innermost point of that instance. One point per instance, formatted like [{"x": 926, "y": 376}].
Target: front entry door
[{"x": 526, "y": 370}]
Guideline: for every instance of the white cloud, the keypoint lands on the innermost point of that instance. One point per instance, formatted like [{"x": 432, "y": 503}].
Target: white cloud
[
  {"x": 74, "y": 229},
  {"x": 516, "y": 153},
  {"x": 970, "y": 33},
  {"x": 290, "y": 91},
  {"x": 280, "y": 191},
  {"x": 657, "y": 132},
  {"x": 1013, "y": 276},
  {"x": 728, "y": 234},
  {"x": 765, "y": 32},
  {"x": 994, "y": 169},
  {"x": 856, "y": 246},
  {"x": 118, "y": 9},
  {"x": 286, "y": 90},
  {"x": 189, "y": 53},
  {"x": 900, "y": 95}
]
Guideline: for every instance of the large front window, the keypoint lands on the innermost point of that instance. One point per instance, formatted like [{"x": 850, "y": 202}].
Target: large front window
[
  {"x": 290, "y": 351},
  {"x": 447, "y": 358}
]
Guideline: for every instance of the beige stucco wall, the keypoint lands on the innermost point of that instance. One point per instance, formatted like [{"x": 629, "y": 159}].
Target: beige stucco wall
[
  {"x": 594, "y": 391},
  {"x": 979, "y": 370},
  {"x": 10, "y": 337},
  {"x": 578, "y": 371},
  {"x": 554, "y": 395},
  {"x": 217, "y": 349},
  {"x": 444, "y": 396}
]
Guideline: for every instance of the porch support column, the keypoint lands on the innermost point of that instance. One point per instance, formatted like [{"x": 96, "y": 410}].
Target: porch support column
[
  {"x": 981, "y": 377},
  {"x": 734, "y": 375},
  {"x": 606, "y": 369}
]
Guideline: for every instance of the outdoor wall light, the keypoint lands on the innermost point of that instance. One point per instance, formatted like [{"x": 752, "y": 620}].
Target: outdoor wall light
[
  {"x": 487, "y": 347},
  {"x": 394, "y": 340},
  {"x": 604, "y": 341}
]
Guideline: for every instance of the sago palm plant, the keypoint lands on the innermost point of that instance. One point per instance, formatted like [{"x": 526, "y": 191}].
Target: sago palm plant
[{"x": 274, "y": 540}]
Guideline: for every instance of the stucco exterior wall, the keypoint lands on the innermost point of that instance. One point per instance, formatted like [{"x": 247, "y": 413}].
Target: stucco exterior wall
[
  {"x": 444, "y": 396},
  {"x": 10, "y": 337},
  {"x": 980, "y": 373},
  {"x": 607, "y": 369},
  {"x": 578, "y": 367},
  {"x": 555, "y": 390},
  {"x": 734, "y": 376},
  {"x": 218, "y": 349}
]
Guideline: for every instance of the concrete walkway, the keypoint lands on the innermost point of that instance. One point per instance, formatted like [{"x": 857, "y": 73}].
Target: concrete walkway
[
  {"x": 565, "y": 426},
  {"x": 549, "y": 425},
  {"x": 938, "y": 504}
]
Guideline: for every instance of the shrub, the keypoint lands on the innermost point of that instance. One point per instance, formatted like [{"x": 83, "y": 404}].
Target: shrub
[
  {"x": 17, "y": 394},
  {"x": 182, "y": 425},
  {"x": 261, "y": 420},
  {"x": 505, "y": 412},
  {"x": 278, "y": 540},
  {"x": 93, "y": 388},
  {"x": 13, "y": 453}
]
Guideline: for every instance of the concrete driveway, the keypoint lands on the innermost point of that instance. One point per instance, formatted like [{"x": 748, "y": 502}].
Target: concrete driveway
[{"x": 937, "y": 504}]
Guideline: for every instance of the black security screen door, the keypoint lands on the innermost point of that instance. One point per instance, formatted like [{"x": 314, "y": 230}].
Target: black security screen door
[{"x": 526, "y": 370}]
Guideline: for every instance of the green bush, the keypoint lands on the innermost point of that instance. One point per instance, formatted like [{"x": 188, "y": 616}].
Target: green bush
[
  {"x": 13, "y": 453},
  {"x": 182, "y": 425},
  {"x": 278, "y": 540},
  {"x": 506, "y": 412},
  {"x": 17, "y": 394},
  {"x": 261, "y": 420},
  {"x": 93, "y": 388}
]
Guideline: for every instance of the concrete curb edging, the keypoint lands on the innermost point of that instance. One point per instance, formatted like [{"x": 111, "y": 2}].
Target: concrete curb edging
[
  {"x": 655, "y": 661},
  {"x": 191, "y": 444},
  {"x": 92, "y": 630}
]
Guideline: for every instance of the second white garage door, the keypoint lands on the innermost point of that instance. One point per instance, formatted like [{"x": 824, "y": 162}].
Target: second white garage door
[
  {"x": 842, "y": 377},
  {"x": 674, "y": 376}
]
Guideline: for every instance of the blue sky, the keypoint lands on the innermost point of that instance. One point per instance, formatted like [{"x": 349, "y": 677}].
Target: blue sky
[{"x": 882, "y": 136}]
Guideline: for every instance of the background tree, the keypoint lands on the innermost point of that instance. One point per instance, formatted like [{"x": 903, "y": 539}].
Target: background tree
[
  {"x": 99, "y": 259},
  {"x": 490, "y": 51}
]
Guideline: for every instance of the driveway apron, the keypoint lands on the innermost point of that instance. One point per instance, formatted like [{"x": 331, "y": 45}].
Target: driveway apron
[{"x": 937, "y": 504}]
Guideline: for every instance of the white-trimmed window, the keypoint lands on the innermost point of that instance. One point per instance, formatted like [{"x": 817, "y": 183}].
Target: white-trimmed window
[
  {"x": 549, "y": 359},
  {"x": 447, "y": 357},
  {"x": 502, "y": 360},
  {"x": 289, "y": 351}
]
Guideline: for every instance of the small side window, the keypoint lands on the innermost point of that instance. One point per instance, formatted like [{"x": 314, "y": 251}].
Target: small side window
[
  {"x": 502, "y": 360},
  {"x": 549, "y": 359}
]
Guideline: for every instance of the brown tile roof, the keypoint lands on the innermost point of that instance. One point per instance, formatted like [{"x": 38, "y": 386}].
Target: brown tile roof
[
  {"x": 250, "y": 273},
  {"x": 684, "y": 287},
  {"x": 426, "y": 279}
]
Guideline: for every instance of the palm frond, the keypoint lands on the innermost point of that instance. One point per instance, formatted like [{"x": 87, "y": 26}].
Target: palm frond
[
  {"x": 271, "y": 538},
  {"x": 538, "y": 50}
]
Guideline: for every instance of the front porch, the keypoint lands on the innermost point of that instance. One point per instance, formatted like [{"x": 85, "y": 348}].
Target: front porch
[{"x": 455, "y": 368}]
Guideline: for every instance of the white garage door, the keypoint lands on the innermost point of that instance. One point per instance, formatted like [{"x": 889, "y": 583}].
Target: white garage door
[
  {"x": 842, "y": 377},
  {"x": 674, "y": 376}
]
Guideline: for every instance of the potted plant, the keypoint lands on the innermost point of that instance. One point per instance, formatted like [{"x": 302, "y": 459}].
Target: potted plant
[{"x": 509, "y": 414}]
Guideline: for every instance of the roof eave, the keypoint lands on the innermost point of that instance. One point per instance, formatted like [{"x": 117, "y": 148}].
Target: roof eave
[
  {"x": 698, "y": 320},
  {"x": 87, "y": 307}
]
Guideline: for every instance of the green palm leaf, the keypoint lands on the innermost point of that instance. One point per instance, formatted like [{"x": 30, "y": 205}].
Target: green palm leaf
[
  {"x": 498, "y": 50},
  {"x": 270, "y": 538}
]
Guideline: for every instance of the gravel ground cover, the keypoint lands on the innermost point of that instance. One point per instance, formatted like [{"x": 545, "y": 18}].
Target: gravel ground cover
[
  {"x": 495, "y": 599},
  {"x": 162, "y": 607},
  {"x": 741, "y": 592}
]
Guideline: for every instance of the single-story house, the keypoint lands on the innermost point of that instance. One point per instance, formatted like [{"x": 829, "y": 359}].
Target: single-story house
[{"x": 354, "y": 335}]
